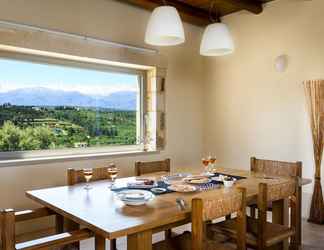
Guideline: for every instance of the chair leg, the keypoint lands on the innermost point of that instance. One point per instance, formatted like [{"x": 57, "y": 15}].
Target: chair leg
[
  {"x": 72, "y": 226},
  {"x": 167, "y": 234},
  {"x": 113, "y": 245},
  {"x": 252, "y": 212},
  {"x": 228, "y": 217}
]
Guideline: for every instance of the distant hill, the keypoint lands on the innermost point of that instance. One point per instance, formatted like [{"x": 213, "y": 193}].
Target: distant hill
[{"x": 122, "y": 100}]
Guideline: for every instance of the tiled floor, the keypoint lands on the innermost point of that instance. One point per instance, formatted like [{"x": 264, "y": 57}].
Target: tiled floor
[{"x": 313, "y": 238}]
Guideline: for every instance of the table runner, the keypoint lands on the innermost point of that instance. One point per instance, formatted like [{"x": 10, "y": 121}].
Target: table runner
[{"x": 161, "y": 184}]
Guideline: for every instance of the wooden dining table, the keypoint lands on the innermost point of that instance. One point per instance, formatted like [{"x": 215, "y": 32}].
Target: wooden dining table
[{"x": 109, "y": 218}]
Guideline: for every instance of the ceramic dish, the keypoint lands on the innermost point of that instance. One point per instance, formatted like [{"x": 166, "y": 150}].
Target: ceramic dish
[
  {"x": 196, "y": 180},
  {"x": 175, "y": 179},
  {"x": 158, "y": 190},
  {"x": 182, "y": 188},
  {"x": 229, "y": 181},
  {"x": 135, "y": 197},
  {"x": 139, "y": 184}
]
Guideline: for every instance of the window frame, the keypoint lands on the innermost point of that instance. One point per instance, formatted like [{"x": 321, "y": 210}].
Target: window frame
[{"x": 36, "y": 156}]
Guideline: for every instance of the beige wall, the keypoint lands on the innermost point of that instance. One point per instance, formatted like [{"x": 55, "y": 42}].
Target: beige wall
[
  {"x": 248, "y": 108},
  {"x": 254, "y": 110},
  {"x": 122, "y": 23}
]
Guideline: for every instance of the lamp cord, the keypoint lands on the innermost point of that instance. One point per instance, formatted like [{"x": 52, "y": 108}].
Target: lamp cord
[{"x": 212, "y": 6}]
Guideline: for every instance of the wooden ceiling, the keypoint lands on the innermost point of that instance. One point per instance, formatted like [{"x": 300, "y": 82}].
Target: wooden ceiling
[{"x": 197, "y": 12}]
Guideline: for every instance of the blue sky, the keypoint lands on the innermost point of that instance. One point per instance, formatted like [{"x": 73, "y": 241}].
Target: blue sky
[{"x": 20, "y": 74}]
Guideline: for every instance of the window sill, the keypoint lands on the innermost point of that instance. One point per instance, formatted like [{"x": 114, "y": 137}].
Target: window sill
[{"x": 76, "y": 157}]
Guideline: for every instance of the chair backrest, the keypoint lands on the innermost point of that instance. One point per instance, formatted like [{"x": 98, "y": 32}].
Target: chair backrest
[
  {"x": 274, "y": 192},
  {"x": 209, "y": 209},
  {"x": 75, "y": 176},
  {"x": 152, "y": 167},
  {"x": 276, "y": 168},
  {"x": 9, "y": 218}
]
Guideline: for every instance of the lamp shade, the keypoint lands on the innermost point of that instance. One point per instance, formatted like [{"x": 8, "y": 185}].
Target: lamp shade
[
  {"x": 216, "y": 40},
  {"x": 164, "y": 27}
]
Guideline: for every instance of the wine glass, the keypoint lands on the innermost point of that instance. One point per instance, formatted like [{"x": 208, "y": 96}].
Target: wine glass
[
  {"x": 112, "y": 171},
  {"x": 212, "y": 161},
  {"x": 205, "y": 162},
  {"x": 87, "y": 172}
]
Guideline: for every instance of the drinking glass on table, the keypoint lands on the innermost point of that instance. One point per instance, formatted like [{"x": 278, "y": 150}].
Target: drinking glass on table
[
  {"x": 87, "y": 172},
  {"x": 205, "y": 162},
  {"x": 112, "y": 171},
  {"x": 212, "y": 161}
]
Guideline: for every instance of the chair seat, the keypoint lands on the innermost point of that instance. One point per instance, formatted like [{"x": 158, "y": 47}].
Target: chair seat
[
  {"x": 183, "y": 242},
  {"x": 275, "y": 233}
]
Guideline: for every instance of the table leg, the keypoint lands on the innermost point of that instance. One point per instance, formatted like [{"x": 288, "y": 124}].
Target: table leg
[
  {"x": 100, "y": 242},
  {"x": 140, "y": 241}
]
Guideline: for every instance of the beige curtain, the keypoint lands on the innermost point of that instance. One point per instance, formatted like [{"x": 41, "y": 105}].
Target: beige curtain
[{"x": 315, "y": 101}]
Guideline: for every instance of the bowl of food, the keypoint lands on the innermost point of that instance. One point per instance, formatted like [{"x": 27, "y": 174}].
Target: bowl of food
[{"x": 228, "y": 181}]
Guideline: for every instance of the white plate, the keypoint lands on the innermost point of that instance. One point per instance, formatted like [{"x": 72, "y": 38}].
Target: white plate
[
  {"x": 135, "y": 197},
  {"x": 182, "y": 188},
  {"x": 175, "y": 179},
  {"x": 197, "y": 180},
  {"x": 139, "y": 185}
]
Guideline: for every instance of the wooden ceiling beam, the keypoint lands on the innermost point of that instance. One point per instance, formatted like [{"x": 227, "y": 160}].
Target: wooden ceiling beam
[
  {"x": 195, "y": 15},
  {"x": 249, "y": 5},
  {"x": 187, "y": 12}
]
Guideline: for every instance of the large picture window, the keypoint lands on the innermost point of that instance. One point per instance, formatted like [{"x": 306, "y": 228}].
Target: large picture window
[{"x": 50, "y": 106}]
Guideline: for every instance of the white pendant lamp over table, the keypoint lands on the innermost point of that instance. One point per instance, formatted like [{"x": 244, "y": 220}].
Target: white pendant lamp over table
[
  {"x": 164, "y": 27},
  {"x": 217, "y": 39}
]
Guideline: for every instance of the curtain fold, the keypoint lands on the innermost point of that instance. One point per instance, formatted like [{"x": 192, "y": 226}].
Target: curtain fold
[{"x": 314, "y": 90}]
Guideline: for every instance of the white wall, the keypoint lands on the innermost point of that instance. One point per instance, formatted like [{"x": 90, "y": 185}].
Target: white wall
[
  {"x": 122, "y": 23},
  {"x": 254, "y": 110}
]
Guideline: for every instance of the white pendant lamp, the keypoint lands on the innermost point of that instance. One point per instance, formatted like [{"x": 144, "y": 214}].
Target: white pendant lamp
[
  {"x": 164, "y": 27},
  {"x": 216, "y": 40}
]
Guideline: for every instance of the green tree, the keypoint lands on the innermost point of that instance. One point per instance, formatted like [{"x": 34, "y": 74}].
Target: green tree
[
  {"x": 45, "y": 137},
  {"x": 28, "y": 140},
  {"x": 9, "y": 137}
]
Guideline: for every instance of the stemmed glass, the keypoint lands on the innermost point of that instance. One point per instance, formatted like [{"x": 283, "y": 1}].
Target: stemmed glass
[
  {"x": 205, "y": 162},
  {"x": 112, "y": 171},
  {"x": 212, "y": 161},
  {"x": 87, "y": 172}
]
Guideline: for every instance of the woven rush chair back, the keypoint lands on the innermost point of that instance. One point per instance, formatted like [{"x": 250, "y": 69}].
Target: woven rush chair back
[
  {"x": 276, "y": 168},
  {"x": 204, "y": 210},
  {"x": 142, "y": 168}
]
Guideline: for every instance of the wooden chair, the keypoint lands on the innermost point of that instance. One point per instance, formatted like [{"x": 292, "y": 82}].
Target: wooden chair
[
  {"x": 9, "y": 218},
  {"x": 76, "y": 176},
  {"x": 205, "y": 210},
  {"x": 150, "y": 167},
  {"x": 285, "y": 169},
  {"x": 260, "y": 233},
  {"x": 142, "y": 168}
]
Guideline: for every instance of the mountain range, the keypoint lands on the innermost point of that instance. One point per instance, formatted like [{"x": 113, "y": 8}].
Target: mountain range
[{"x": 40, "y": 96}]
